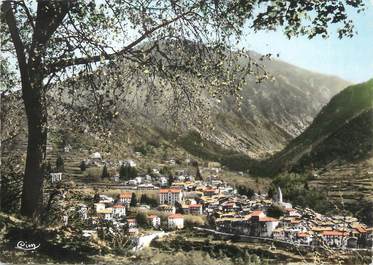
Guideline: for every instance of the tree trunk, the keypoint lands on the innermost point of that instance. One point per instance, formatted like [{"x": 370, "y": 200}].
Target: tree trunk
[{"x": 32, "y": 192}]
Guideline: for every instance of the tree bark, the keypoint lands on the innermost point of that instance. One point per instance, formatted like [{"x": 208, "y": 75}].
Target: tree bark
[{"x": 32, "y": 197}]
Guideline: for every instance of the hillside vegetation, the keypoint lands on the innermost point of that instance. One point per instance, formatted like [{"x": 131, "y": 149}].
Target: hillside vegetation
[
  {"x": 336, "y": 151},
  {"x": 334, "y": 120}
]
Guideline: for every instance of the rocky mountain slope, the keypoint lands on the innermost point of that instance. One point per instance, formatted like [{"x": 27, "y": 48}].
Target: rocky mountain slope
[
  {"x": 274, "y": 112},
  {"x": 337, "y": 147}
]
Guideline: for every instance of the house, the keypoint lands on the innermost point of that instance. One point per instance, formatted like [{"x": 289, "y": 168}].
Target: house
[
  {"x": 83, "y": 211},
  {"x": 139, "y": 180},
  {"x": 292, "y": 212},
  {"x": 268, "y": 224},
  {"x": 119, "y": 211},
  {"x": 256, "y": 215},
  {"x": 129, "y": 163},
  {"x": 213, "y": 165},
  {"x": 125, "y": 198},
  {"x": 175, "y": 221},
  {"x": 133, "y": 231},
  {"x": 56, "y": 177},
  {"x": 99, "y": 206},
  {"x": 195, "y": 209},
  {"x": 279, "y": 234},
  {"x": 96, "y": 157},
  {"x": 304, "y": 238},
  {"x": 164, "y": 208},
  {"x": 106, "y": 199},
  {"x": 106, "y": 214},
  {"x": 154, "y": 221},
  {"x": 180, "y": 178},
  {"x": 163, "y": 182},
  {"x": 132, "y": 182},
  {"x": 170, "y": 196},
  {"x": 209, "y": 192},
  {"x": 335, "y": 238},
  {"x": 116, "y": 178},
  {"x": 132, "y": 223}
]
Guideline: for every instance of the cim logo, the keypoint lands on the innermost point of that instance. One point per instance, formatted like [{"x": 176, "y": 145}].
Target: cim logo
[{"x": 27, "y": 246}]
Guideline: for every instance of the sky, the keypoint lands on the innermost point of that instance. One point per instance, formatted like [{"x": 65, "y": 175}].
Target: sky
[{"x": 350, "y": 59}]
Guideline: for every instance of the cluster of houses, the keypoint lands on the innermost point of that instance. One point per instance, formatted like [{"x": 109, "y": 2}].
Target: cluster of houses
[
  {"x": 115, "y": 211},
  {"x": 296, "y": 226},
  {"x": 231, "y": 212}
]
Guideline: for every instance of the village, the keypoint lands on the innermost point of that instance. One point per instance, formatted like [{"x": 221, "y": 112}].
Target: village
[{"x": 179, "y": 200}]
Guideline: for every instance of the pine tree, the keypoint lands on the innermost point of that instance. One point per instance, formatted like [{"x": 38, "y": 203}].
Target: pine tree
[
  {"x": 133, "y": 202},
  {"x": 144, "y": 199},
  {"x": 105, "y": 173},
  {"x": 198, "y": 174},
  {"x": 123, "y": 172},
  {"x": 132, "y": 172}
]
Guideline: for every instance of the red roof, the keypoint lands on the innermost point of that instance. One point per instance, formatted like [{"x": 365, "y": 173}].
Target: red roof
[
  {"x": 175, "y": 216},
  {"x": 118, "y": 206},
  {"x": 131, "y": 220},
  {"x": 256, "y": 213},
  {"x": 125, "y": 195},
  {"x": 334, "y": 233},
  {"x": 195, "y": 205},
  {"x": 169, "y": 190},
  {"x": 267, "y": 219}
]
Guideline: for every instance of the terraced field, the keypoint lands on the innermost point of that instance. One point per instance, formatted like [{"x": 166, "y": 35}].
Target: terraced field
[{"x": 348, "y": 183}]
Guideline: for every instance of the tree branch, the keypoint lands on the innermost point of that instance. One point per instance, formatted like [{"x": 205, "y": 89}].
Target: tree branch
[
  {"x": 57, "y": 66},
  {"x": 49, "y": 17},
  {"x": 7, "y": 11}
]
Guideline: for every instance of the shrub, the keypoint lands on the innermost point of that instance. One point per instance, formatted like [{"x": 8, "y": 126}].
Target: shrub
[{"x": 194, "y": 220}]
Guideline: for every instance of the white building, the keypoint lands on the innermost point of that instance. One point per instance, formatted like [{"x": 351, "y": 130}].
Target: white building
[
  {"x": 119, "y": 211},
  {"x": 139, "y": 180},
  {"x": 99, "y": 206},
  {"x": 96, "y": 156},
  {"x": 125, "y": 197},
  {"x": 129, "y": 162},
  {"x": 195, "y": 209},
  {"x": 132, "y": 223},
  {"x": 270, "y": 224},
  {"x": 154, "y": 221},
  {"x": 83, "y": 211},
  {"x": 106, "y": 199},
  {"x": 132, "y": 182},
  {"x": 56, "y": 177},
  {"x": 175, "y": 221},
  {"x": 170, "y": 196},
  {"x": 163, "y": 182},
  {"x": 106, "y": 214}
]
